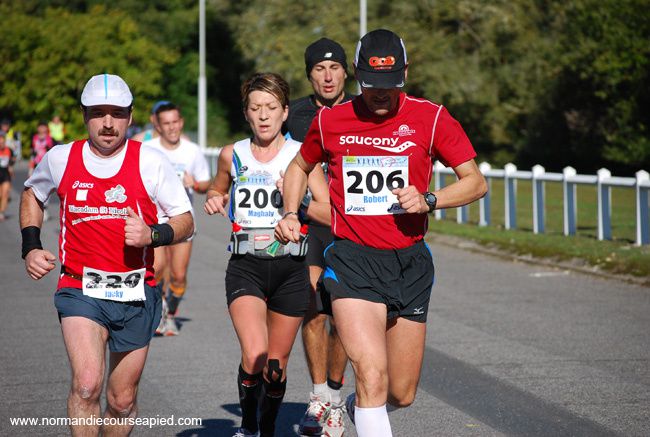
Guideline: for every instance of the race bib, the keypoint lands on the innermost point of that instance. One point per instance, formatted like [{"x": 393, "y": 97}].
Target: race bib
[
  {"x": 369, "y": 180},
  {"x": 121, "y": 287},
  {"x": 256, "y": 205},
  {"x": 4, "y": 161}
]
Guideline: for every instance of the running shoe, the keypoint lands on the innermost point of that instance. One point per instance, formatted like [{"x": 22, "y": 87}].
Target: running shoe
[
  {"x": 243, "y": 432},
  {"x": 350, "y": 402},
  {"x": 160, "y": 330},
  {"x": 171, "y": 328},
  {"x": 334, "y": 426},
  {"x": 314, "y": 418}
]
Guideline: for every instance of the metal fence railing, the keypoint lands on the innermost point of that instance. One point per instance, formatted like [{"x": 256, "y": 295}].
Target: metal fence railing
[{"x": 603, "y": 181}]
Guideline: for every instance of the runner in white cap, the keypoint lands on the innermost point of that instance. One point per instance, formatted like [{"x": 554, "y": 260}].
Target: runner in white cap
[{"x": 109, "y": 189}]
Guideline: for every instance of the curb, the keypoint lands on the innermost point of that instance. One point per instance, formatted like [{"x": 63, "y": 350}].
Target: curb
[{"x": 473, "y": 246}]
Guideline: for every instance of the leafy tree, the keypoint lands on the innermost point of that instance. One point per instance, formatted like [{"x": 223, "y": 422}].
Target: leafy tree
[{"x": 50, "y": 57}]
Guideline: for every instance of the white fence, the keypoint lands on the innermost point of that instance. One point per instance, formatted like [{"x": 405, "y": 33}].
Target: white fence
[{"x": 569, "y": 178}]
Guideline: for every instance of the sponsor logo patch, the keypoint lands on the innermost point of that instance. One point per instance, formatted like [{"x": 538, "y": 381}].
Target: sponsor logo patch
[
  {"x": 78, "y": 184},
  {"x": 116, "y": 194},
  {"x": 404, "y": 130}
]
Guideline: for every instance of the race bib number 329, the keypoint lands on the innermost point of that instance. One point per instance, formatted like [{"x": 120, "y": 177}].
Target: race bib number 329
[
  {"x": 118, "y": 286},
  {"x": 368, "y": 182}
]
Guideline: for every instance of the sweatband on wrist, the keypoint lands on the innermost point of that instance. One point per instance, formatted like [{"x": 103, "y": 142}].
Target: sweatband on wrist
[
  {"x": 165, "y": 234},
  {"x": 31, "y": 239}
]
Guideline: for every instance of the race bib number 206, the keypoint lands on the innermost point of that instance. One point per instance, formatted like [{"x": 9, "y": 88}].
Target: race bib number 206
[
  {"x": 118, "y": 286},
  {"x": 368, "y": 182}
]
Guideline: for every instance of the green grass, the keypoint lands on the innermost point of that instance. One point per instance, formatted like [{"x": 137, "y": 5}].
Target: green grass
[{"x": 617, "y": 256}]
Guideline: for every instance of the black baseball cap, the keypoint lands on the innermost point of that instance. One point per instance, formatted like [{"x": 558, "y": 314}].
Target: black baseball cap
[
  {"x": 324, "y": 49},
  {"x": 380, "y": 60}
]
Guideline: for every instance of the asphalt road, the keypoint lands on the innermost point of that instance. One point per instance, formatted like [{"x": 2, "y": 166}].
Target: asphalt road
[{"x": 512, "y": 349}]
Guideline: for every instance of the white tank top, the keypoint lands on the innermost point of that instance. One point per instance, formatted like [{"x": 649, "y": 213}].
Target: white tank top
[{"x": 254, "y": 185}]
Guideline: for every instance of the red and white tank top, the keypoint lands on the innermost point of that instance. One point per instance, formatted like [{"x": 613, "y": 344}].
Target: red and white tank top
[{"x": 93, "y": 213}]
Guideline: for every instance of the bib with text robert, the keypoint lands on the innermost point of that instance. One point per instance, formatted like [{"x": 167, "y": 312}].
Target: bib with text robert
[{"x": 368, "y": 182}]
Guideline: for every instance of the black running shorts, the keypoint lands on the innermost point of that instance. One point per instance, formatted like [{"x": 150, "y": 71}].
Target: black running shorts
[
  {"x": 320, "y": 237},
  {"x": 399, "y": 278},
  {"x": 130, "y": 325},
  {"x": 283, "y": 282}
]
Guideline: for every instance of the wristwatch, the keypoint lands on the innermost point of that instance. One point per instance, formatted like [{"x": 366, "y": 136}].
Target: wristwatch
[
  {"x": 431, "y": 200},
  {"x": 155, "y": 236}
]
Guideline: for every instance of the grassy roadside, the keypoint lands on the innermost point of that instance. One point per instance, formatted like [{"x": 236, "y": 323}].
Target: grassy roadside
[{"x": 619, "y": 256}]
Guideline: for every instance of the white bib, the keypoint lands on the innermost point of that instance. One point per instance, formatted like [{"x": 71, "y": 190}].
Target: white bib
[
  {"x": 254, "y": 185},
  {"x": 118, "y": 286},
  {"x": 369, "y": 180}
]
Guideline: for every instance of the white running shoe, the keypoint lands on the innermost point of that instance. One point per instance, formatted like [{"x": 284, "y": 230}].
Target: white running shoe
[
  {"x": 171, "y": 328},
  {"x": 314, "y": 418},
  {"x": 350, "y": 403},
  {"x": 160, "y": 330},
  {"x": 334, "y": 426},
  {"x": 243, "y": 432}
]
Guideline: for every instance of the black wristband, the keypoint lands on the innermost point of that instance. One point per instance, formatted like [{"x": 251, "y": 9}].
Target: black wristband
[
  {"x": 31, "y": 239},
  {"x": 161, "y": 235}
]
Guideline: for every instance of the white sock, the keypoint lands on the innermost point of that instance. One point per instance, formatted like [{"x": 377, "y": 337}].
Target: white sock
[
  {"x": 335, "y": 395},
  {"x": 321, "y": 390},
  {"x": 372, "y": 422}
]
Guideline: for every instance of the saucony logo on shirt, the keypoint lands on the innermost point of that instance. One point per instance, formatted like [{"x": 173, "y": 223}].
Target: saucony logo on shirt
[
  {"x": 367, "y": 141},
  {"x": 388, "y": 144}
]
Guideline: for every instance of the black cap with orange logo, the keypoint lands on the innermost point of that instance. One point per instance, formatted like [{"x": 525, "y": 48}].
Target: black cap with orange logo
[{"x": 380, "y": 60}]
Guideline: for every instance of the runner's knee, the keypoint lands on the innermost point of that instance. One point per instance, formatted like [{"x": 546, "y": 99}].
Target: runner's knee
[
  {"x": 402, "y": 400},
  {"x": 87, "y": 385},
  {"x": 372, "y": 380},
  {"x": 253, "y": 361},
  {"x": 121, "y": 404}
]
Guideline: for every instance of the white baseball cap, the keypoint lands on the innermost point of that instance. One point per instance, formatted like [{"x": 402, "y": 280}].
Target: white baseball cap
[{"x": 106, "y": 89}]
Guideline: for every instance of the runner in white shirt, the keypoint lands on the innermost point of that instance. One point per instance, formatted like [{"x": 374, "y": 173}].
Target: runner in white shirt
[
  {"x": 110, "y": 190},
  {"x": 171, "y": 262}
]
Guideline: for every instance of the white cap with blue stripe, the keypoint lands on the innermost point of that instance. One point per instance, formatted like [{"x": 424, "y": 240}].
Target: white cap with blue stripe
[{"x": 106, "y": 89}]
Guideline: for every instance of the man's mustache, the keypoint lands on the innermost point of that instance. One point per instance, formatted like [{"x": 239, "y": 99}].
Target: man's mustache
[{"x": 112, "y": 132}]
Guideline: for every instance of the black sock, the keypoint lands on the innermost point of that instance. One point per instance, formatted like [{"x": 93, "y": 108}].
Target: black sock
[
  {"x": 334, "y": 385},
  {"x": 172, "y": 303},
  {"x": 270, "y": 406},
  {"x": 249, "y": 388}
]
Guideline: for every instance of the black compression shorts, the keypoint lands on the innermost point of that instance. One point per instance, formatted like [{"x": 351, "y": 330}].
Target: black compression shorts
[
  {"x": 283, "y": 282},
  {"x": 399, "y": 278},
  {"x": 320, "y": 237}
]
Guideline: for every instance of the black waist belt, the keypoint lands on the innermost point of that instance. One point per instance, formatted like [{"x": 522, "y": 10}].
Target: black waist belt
[{"x": 72, "y": 275}]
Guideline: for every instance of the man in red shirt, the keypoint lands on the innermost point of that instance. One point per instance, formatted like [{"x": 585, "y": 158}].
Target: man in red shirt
[
  {"x": 380, "y": 148},
  {"x": 109, "y": 190}
]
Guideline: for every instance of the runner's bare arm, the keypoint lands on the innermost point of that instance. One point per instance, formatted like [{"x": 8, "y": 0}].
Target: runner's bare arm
[
  {"x": 217, "y": 194},
  {"x": 183, "y": 225},
  {"x": 319, "y": 208},
  {"x": 295, "y": 185},
  {"x": 470, "y": 186},
  {"x": 38, "y": 262}
]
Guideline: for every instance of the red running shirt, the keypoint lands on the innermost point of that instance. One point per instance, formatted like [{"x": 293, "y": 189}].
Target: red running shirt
[
  {"x": 367, "y": 156},
  {"x": 93, "y": 213}
]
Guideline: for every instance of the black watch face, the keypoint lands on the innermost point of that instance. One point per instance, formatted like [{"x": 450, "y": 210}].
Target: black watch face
[
  {"x": 154, "y": 236},
  {"x": 431, "y": 200}
]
